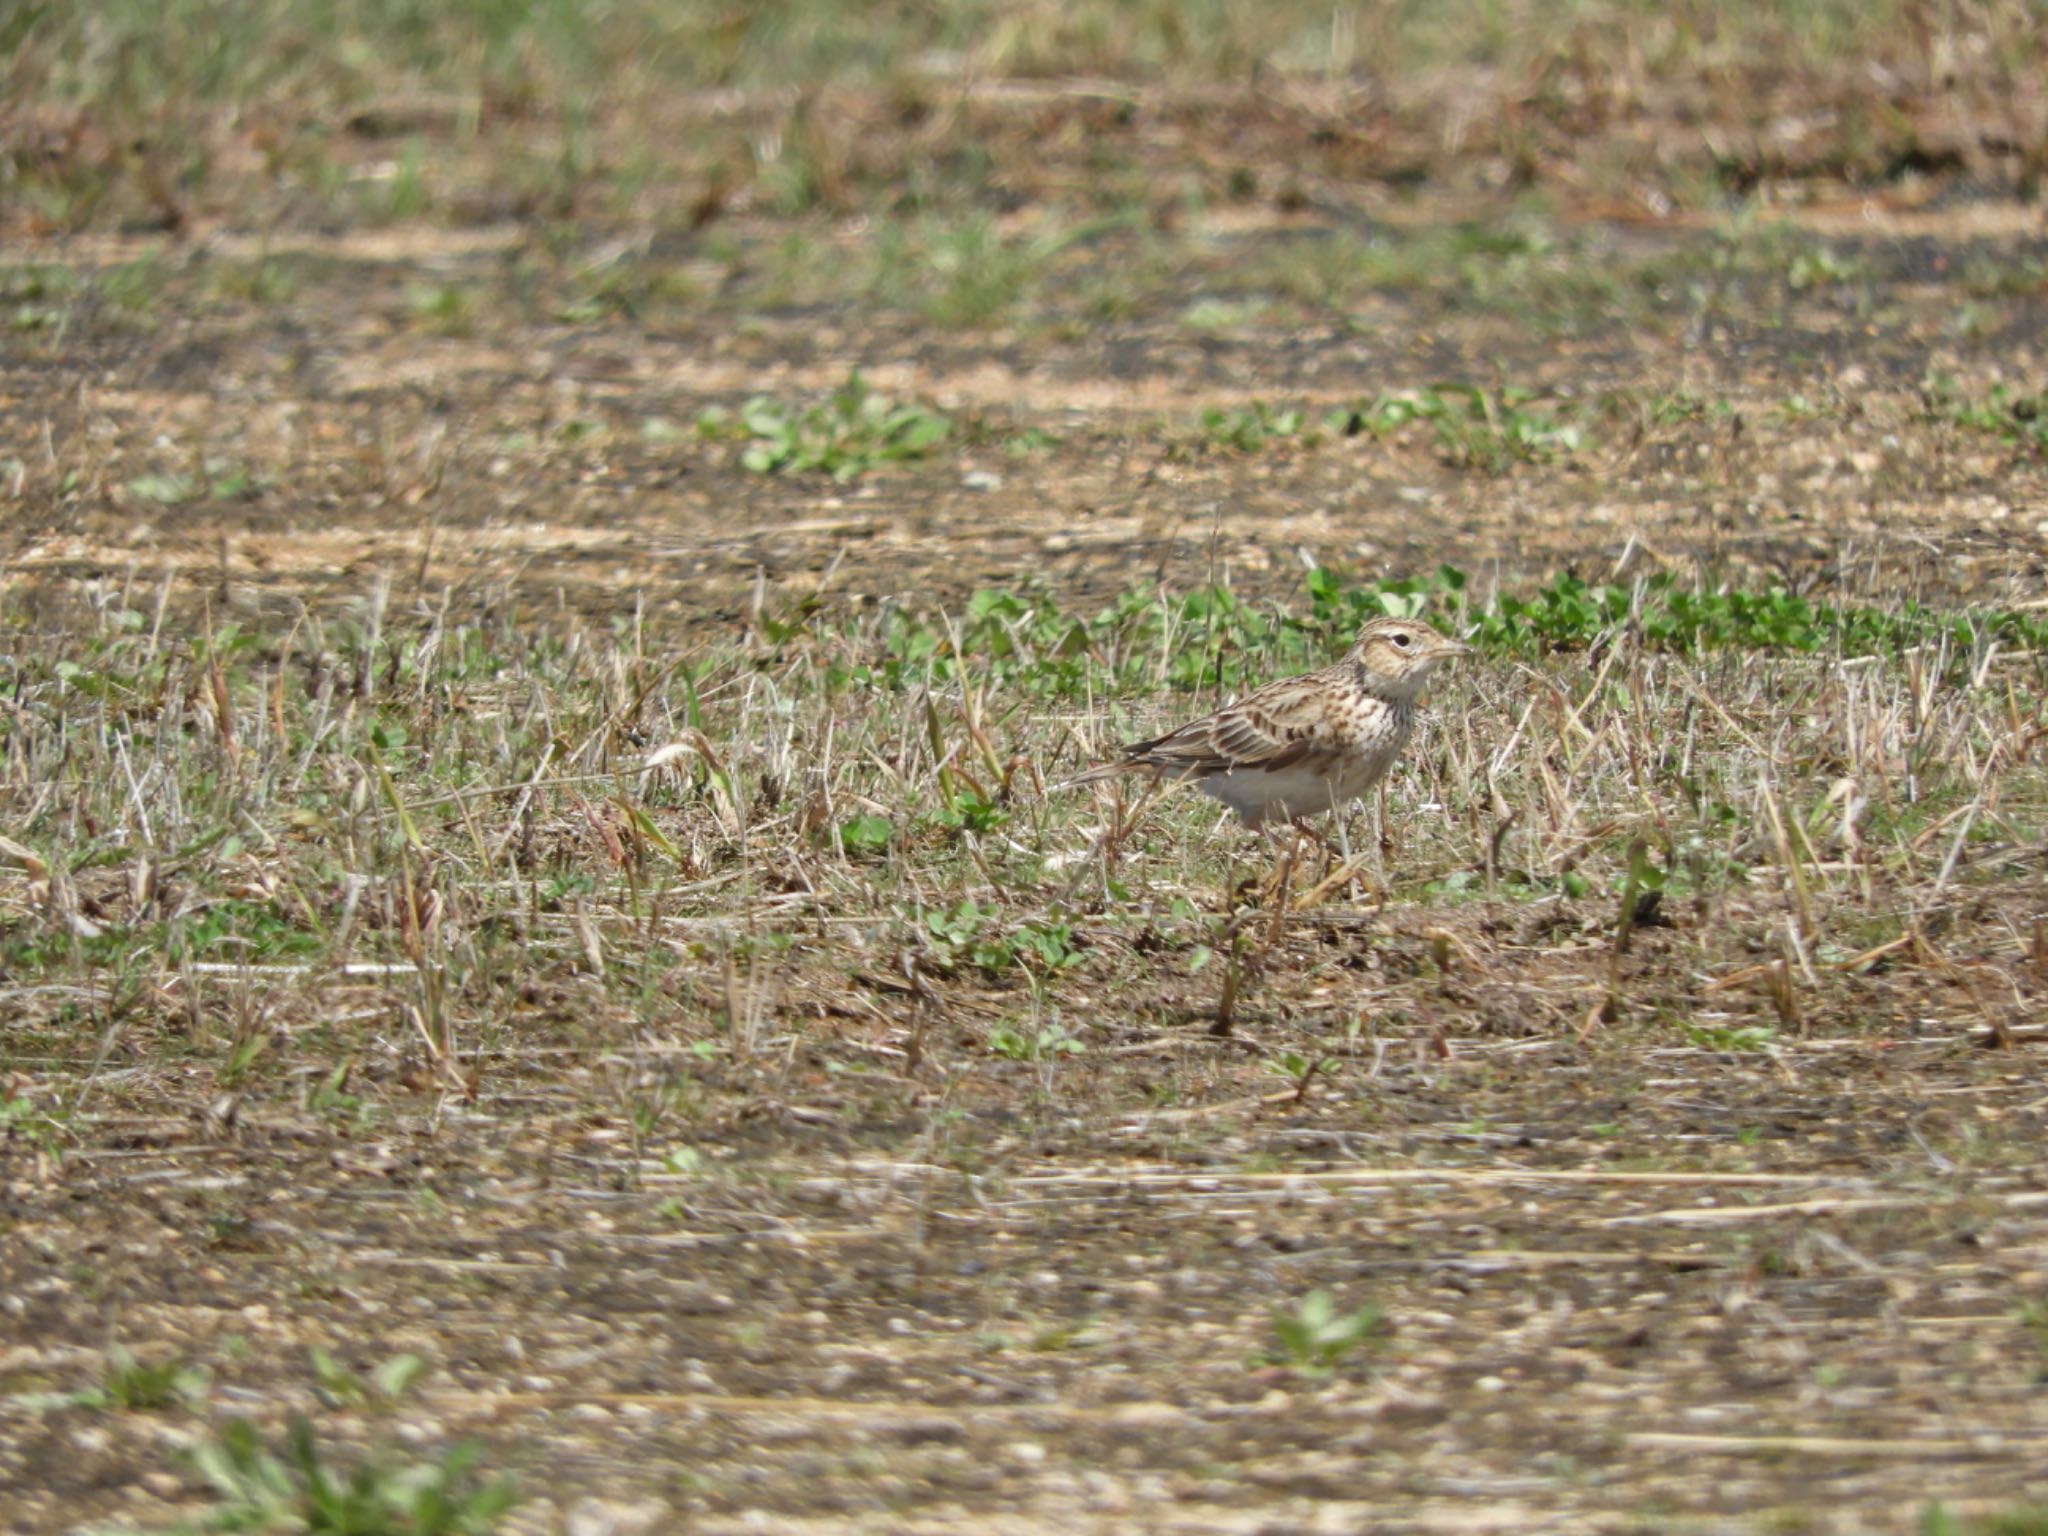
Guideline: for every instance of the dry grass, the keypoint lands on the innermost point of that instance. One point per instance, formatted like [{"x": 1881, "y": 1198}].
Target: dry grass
[
  {"x": 529, "y": 847},
  {"x": 682, "y": 116},
  {"x": 783, "y": 948}
]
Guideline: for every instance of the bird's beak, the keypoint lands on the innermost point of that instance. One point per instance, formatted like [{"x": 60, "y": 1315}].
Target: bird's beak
[{"x": 1454, "y": 648}]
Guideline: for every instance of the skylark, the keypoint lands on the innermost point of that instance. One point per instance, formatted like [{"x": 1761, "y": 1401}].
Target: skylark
[{"x": 1303, "y": 745}]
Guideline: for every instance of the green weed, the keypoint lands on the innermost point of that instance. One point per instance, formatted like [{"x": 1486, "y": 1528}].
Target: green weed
[
  {"x": 1314, "y": 1338},
  {"x": 1473, "y": 428},
  {"x": 1042, "y": 1044},
  {"x": 852, "y": 433},
  {"x": 127, "y": 1385},
  {"x": 2018, "y": 419},
  {"x": 2019, "y": 1520},
  {"x": 294, "y": 1485},
  {"x": 338, "y": 1386},
  {"x": 1249, "y": 429},
  {"x": 26, "y": 1122}
]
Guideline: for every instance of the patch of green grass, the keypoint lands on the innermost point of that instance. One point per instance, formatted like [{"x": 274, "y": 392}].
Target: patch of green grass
[
  {"x": 1523, "y": 269},
  {"x": 1716, "y": 1037},
  {"x": 265, "y": 280},
  {"x": 2019, "y": 1520},
  {"x": 130, "y": 1385},
  {"x": 1474, "y": 428},
  {"x": 383, "y": 1387},
  {"x": 969, "y": 273},
  {"x": 445, "y": 309},
  {"x": 295, "y": 1484},
  {"x": 37, "y": 296},
  {"x": 126, "y": 1385},
  {"x": 25, "y": 1121},
  {"x": 854, "y": 432},
  {"x": 1020, "y": 638},
  {"x": 214, "y": 481},
  {"x": 1040, "y": 1044},
  {"x": 1997, "y": 274},
  {"x": 2018, "y": 419},
  {"x": 975, "y": 274},
  {"x": 2032, "y": 1315},
  {"x": 629, "y": 289},
  {"x": 1315, "y": 1337},
  {"x": 1248, "y": 429}
]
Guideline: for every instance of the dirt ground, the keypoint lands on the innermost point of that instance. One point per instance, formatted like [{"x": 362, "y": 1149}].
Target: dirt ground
[{"x": 1629, "y": 1280}]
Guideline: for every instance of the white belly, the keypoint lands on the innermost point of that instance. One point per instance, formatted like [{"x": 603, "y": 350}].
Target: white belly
[{"x": 1259, "y": 797}]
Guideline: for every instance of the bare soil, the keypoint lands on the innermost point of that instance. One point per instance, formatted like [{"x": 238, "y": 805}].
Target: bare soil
[{"x": 1630, "y": 1281}]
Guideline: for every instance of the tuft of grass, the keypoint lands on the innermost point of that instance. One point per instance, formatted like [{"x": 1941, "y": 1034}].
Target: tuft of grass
[
  {"x": 127, "y": 1385},
  {"x": 1474, "y": 428},
  {"x": 2019, "y": 1520},
  {"x": 1248, "y": 429},
  {"x": 852, "y": 433},
  {"x": 2018, "y": 419},
  {"x": 338, "y": 1386},
  {"x": 1315, "y": 1337},
  {"x": 1020, "y": 638},
  {"x": 131, "y": 1385},
  {"x": 294, "y": 1484},
  {"x": 444, "y": 309},
  {"x": 2032, "y": 1315}
]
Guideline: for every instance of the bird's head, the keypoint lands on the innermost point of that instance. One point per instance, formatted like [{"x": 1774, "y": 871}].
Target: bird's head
[{"x": 1397, "y": 655}]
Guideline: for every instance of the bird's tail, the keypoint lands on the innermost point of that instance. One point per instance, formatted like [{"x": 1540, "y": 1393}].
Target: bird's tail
[{"x": 1101, "y": 773}]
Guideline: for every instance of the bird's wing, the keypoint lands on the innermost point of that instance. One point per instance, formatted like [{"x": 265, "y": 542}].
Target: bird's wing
[{"x": 1271, "y": 728}]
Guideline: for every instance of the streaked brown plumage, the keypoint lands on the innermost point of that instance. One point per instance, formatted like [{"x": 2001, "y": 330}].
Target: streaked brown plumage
[{"x": 1307, "y": 744}]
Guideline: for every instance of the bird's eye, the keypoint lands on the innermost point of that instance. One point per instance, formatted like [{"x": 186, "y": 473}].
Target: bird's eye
[{"x": 1400, "y": 638}]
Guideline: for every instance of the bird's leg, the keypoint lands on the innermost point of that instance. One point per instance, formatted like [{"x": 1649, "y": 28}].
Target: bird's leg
[
  {"x": 1340, "y": 870},
  {"x": 1282, "y": 889},
  {"x": 1380, "y": 842},
  {"x": 1280, "y": 873},
  {"x": 1313, "y": 834},
  {"x": 1333, "y": 855}
]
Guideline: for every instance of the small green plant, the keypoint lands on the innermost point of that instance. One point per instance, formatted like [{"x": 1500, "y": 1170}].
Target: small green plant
[
  {"x": 2019, "y": 1520},
  {"x": 1722, "y": 1037},
  {"x": 866, "y": 836},
  {"x": 1819, "y": 267},
  {"x": 852, "y": 433},
  {"x": 2032, "y": 1315},
  {"x": 1039, "y": 1045},
  {"x": 445, "y": 309},
  {"x": 1049, "y": 946},
  {"x": 220, "y": 482},
  {"x": 971, "y": 810},
  {"x": 338, "y": 1386},
  {"x": 1314, "y": 1337},
  {"x": 1296, "y": 1069},
  {"x": 1247, "y": 430},
  {"x": 404, "y": 191},
  {"x": 23, "y": 1120},
  {"x": 1474, "y": 428},
  {"x": 292, "y": 1485},
  {"x": 973, "y": 274},
  {"x": 129, "y": 1384},
  {"x": 959, "y": 934},
  {"x": 2019, "y": 419}
]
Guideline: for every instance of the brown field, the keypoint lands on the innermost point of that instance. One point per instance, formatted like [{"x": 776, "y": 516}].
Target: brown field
[{"x": 488, "y": 874}]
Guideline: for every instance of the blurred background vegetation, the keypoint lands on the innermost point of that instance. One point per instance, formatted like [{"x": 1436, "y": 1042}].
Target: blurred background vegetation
[{"x": 141, "y": 113}]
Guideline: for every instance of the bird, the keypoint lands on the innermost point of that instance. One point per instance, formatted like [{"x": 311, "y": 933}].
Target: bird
[{"x": 1303, "y": 745}]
